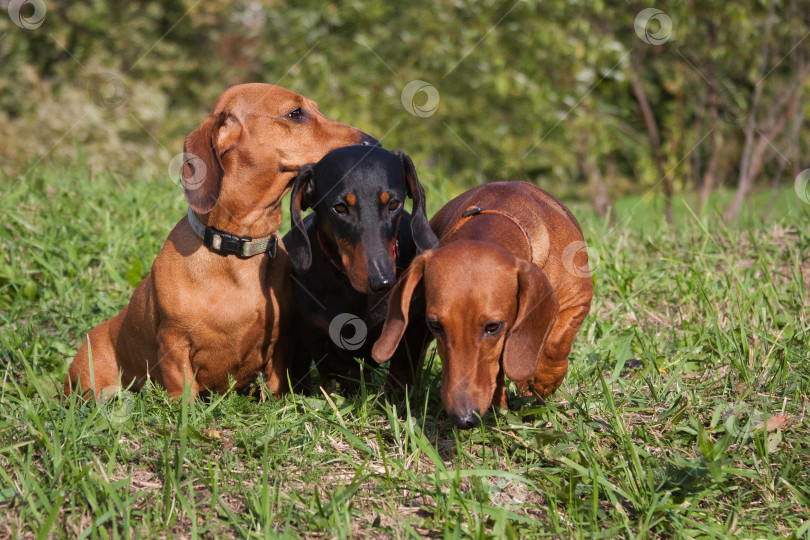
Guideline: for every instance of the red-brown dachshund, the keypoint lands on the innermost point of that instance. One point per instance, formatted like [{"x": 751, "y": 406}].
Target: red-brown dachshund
[
  {"x": 218, "y": 301},
  {"x": 505, "y": 294}
]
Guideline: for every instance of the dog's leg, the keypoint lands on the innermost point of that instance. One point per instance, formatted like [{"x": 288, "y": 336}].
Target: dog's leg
[
  {"x": 554, "y": 359},
  {"x": 282, "y": 358},
  {"x": 276, "y": 369},
  {"x": 174, "y": 349},
  {"x": 345, "y": 371},
  {"x": 94, "y": 368},
  {"x": 405, "y": 368},
  {"x": 501, "y": 397},
  {"x": 299, "y": 371},
  {"x": 400, "y": 374}
]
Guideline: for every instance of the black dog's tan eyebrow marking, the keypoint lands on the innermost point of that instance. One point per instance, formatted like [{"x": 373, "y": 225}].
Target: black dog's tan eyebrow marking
[
  {"x": 385, "y": 197},
  {"x": 351, "y": 198}
]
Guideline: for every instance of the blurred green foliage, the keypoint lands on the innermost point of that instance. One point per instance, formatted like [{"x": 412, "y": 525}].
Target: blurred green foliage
[{"x": 528, "y": 90}]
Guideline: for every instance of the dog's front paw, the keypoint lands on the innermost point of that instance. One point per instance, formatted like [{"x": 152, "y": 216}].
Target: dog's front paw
[{"x": 539, "y": 388}]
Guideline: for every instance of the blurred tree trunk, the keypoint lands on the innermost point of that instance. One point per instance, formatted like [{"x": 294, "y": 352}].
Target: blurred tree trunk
[
  {"x": 793, "y": 144},
  {"x": 600, "y": 200},
  {"x": 758, "y": 139},
  {"x": 746, "y": 179},
  {"x": 697, "y": 159},
  {"x": 758, "y": 136},
  {"x": 793, "y": 152},
  {"x": 710, "y": 175},
  {"x": 636, "y": 77}
]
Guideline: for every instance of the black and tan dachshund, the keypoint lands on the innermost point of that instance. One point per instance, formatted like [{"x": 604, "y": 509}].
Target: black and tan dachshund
[{"x": 347, "y": 256}]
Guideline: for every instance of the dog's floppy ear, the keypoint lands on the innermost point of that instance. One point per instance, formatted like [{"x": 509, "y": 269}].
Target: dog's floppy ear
[
  {"x": 399, "y": 303},
  {"x": 423, "y": 237},
  {"x": 298, "y": 244},
  {"x": 536, "y": 313},
  {"x": 202, "y": 169}
]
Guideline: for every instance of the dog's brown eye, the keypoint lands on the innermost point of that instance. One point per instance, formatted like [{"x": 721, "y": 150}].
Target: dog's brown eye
[
  {"x": 435, "y": 326},
  {"x": 493, "y": 328},
  {"x": 393, "y": 206},
  {"x": 341, "y": 209},
  {"x": 297, "y": 114}
]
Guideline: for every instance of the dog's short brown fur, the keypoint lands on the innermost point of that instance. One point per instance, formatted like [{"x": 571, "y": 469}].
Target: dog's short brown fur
[
  {"x": 492, "y": 311},
  {"x": 199, "y": 316}
]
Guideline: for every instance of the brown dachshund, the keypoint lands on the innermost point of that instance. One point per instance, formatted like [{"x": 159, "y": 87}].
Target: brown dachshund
[
  {"x": 216, "y": 302},
  {"x": 505, "y": 294}
]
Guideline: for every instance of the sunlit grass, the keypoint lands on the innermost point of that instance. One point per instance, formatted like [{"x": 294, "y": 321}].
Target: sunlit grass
[{"x": 683, "y": 414}]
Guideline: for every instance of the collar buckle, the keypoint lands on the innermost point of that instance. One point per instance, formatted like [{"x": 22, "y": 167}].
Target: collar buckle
[
  {"x": 228, "y": 244},
  {"x": 224, "y": 243}
]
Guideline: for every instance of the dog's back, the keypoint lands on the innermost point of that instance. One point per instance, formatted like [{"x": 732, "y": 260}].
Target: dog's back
[{"x": 557, "y": 244}]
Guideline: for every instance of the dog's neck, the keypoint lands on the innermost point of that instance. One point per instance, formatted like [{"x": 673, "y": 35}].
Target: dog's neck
[
  {"x": 226, "y": 243},
  {"x": 252, "y": 223}
]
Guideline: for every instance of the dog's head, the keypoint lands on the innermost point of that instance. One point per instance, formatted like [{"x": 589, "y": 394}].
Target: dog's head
[
  {"x": 240, "y": 162},
  {"x": 488, "y": 310},
  {"x": 358, "y": 195}
]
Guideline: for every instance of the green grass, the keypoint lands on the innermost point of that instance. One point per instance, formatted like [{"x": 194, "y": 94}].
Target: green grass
[{"x": 683, "y": 413}]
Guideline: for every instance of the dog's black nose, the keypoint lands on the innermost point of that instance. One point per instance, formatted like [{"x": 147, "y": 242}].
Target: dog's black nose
[
  {"x": 466, "y": 420},
  {"x": 368, "y": 140},
  {"x": 381, "y": 276},
  {"x": 381, "y": 283}
]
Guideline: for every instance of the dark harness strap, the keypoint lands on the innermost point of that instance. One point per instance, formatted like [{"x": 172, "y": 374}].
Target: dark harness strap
[{"x": 475, "y": 210}]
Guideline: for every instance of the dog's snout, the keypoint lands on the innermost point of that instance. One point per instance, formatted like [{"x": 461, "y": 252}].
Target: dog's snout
[
  {"x": 466, "y": 419},
  {"x": 381, "y": 275},
  {"x": 380, "y": 283},
  {"x": 368, "y": 140}
]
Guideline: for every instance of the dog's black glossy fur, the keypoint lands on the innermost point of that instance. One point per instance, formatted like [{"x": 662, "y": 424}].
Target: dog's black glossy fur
[{"x": 347, "y": 255}]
